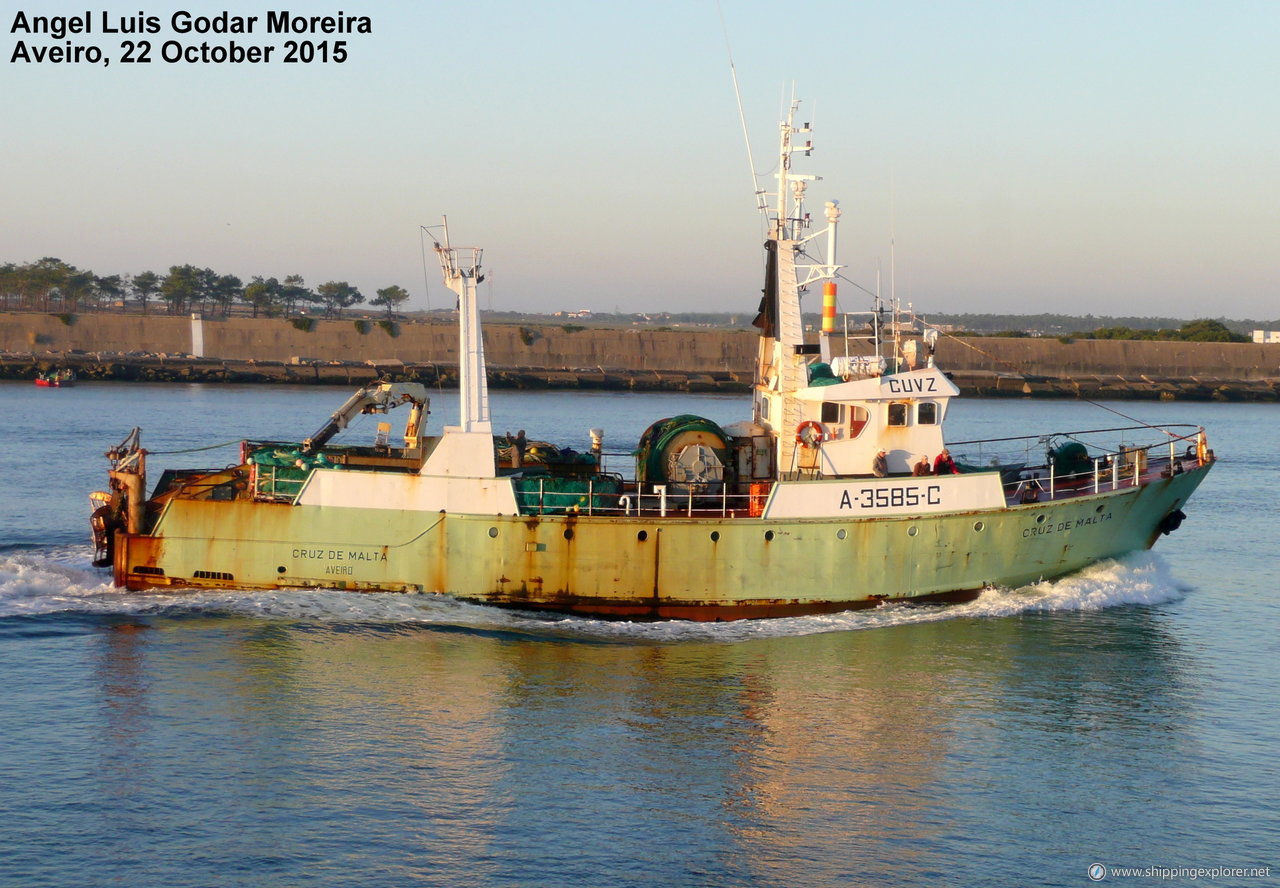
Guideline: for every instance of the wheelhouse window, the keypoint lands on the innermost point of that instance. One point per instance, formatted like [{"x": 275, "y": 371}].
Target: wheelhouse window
[
  {"x": 897, "y": 415},
  {"x": 831, "y": 413},
  {"x": 927, "y": 413}
]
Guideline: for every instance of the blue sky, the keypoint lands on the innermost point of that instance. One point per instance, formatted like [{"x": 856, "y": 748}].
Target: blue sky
[{"x": 1113, "y": 158}]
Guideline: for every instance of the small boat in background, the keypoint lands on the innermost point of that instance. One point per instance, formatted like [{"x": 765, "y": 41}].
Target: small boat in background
[{"x": 56, "y": 378}]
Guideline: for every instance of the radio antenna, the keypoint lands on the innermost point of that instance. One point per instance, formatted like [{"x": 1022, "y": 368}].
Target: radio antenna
[{"x": 737, "y": 94}]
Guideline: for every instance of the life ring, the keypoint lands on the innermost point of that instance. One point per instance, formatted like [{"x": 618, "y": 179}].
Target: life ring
[{"x": 811, "y": 433}]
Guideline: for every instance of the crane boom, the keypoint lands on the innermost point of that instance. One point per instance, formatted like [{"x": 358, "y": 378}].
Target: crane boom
[{"x": 376, "y": 397}]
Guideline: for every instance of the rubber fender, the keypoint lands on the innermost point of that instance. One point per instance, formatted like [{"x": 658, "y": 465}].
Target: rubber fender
[{"x": 1171, "y": 522}]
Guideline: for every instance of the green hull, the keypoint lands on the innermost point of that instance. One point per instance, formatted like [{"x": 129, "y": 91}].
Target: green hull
[{"x": 644, "y": 567}]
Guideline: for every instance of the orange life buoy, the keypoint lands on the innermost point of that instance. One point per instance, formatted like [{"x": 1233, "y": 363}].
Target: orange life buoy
[{"x": 811, "y": 434}]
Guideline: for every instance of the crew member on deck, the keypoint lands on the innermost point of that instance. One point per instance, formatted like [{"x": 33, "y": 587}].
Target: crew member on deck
[
  {"x": 880, "y": 465},
  {"x": 922, "y": 467},
  {"x": 944, "y": 464}
]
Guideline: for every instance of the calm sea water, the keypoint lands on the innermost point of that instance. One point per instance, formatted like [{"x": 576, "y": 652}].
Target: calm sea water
[{"x": 1124, "y": 716}]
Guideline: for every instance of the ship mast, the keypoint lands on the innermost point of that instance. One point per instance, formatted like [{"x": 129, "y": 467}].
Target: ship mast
[
  {"x": 783, "y": 361},
  {"x": 461, "y": 269}
]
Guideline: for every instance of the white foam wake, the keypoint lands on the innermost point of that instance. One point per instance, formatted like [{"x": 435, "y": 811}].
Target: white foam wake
[
  {"x": 1141, "y": 578},
  {"x": 43, "y": 581},
  {"x": 61, "y": 580}
]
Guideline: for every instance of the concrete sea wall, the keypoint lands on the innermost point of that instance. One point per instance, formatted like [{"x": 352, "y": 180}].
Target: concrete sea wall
[
  {"x": 341, "y": 340},
  {"x": 154, "y": 347}
]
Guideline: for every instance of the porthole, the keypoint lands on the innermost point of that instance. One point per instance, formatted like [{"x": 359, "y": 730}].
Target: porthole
[
  {"x": 280, "y": 569},
  {"x": 1102, "y": 508},
  {"x": 1039, "y": 519},
  {"x": 715, "y": 536},
  {"x": 978, "y": 525},
  {"x": 768, "y": 536},
  {"x": 493, "y": 533},
  {"x": 642, "y": 535},
  {"x": 912, "y": 530},
  {"x": 568, "y": 533},
  {"x": 841, "y": 533}
]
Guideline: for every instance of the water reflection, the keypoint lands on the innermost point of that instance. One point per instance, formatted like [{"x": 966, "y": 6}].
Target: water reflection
[{"x": 849, "y": 757}]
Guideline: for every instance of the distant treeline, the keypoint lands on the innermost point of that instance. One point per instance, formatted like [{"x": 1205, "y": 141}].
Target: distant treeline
[
  {"x": 1071, "y": 325},
  {"x": 1203, "y": 330},
  {"x": 52, "y": 285},
  {"x": 1054, "y": 325}
]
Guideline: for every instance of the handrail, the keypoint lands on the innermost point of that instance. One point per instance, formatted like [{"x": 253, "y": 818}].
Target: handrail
[
  {"x": 265, "y": 484},
  {"x": 1115, "y": 463},
  {"x": 1138, "y": 466},
  {"x": 1049, "y": 435}
]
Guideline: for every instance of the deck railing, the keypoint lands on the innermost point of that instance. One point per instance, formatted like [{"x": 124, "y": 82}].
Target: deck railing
[
  {"x": 1104, "y": 466},
  {"x": 278, "y": 483},
  {"x": 1100, "y": 464},
  {"x": 660, "y": 500},
  {"x": 1107, "y": 465}
]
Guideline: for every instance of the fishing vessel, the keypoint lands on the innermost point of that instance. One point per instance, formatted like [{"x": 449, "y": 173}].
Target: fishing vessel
[{"x": 836, "y": 490}]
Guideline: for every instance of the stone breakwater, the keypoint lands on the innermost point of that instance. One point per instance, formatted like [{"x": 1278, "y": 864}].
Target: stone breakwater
[{"x": 158, "y": 349}]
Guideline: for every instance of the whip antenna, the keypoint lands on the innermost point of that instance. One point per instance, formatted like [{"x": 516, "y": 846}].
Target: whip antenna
[
  {"x": 422, "y": 240},
  {"x": 737, "y": 94}
]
